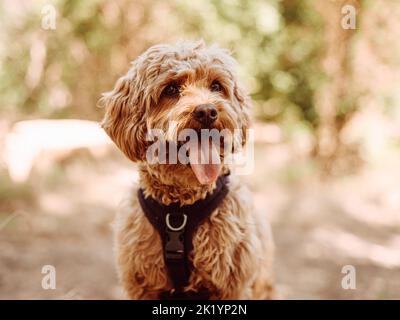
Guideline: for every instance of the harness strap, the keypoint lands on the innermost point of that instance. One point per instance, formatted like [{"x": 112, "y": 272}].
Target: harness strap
[
  {"x": 176, "y": 225},
  {"x": 174, "y": 251}
]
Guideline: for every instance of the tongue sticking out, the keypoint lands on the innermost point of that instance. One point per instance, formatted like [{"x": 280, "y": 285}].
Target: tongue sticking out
[{"x": 204, "y": 161}]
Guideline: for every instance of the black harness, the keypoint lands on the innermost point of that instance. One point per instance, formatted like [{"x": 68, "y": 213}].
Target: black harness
[{"x": 176, "y": 225}]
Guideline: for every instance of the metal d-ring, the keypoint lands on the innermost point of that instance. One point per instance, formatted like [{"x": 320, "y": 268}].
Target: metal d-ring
[{"x": 178, "y": 228}]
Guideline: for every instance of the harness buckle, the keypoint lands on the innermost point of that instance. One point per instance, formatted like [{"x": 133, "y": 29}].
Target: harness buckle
[{"x": 174, "y": 247}]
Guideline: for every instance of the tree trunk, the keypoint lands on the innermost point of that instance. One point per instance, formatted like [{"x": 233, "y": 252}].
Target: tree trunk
[{"x": 334, "y": 102}]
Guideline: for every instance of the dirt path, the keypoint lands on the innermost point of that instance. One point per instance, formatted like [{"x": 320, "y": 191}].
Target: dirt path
[{"x": 318, "y": 229}]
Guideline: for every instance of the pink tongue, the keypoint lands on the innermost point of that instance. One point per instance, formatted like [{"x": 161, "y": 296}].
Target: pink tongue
[{"x": 202, "y": 156}]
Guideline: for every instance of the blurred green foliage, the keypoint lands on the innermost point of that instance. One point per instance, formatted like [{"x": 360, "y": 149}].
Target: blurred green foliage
[
  {"x": 278, "y": 45},
  {"x": 62, "y": 72}
]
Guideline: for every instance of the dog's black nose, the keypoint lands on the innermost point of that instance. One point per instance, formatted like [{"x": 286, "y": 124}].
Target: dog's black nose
[{"x": 206, "y": 114}]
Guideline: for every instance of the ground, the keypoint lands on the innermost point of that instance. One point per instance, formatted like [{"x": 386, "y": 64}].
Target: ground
[{"x": 319, "y": 227}]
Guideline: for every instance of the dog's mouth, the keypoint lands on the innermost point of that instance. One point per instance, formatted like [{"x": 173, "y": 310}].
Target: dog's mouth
[
  {"x": 204, "y": 157},
  {"x": 204, "y": 161}
]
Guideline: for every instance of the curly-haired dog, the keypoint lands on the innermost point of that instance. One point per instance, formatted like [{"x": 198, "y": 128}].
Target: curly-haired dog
[{"x": 228, "y": 251}]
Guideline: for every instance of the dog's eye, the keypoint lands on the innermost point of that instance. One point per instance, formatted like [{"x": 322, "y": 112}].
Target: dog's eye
[
  {"x": 171, "y": 90},
  {"x": 216, "y": 86}
]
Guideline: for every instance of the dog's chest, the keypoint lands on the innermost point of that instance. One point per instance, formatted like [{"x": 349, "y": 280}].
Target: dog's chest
[{"x": 214, "y": 258}]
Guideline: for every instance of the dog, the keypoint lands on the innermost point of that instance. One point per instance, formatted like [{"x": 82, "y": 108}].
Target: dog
[{"x": 229, "y": 252}]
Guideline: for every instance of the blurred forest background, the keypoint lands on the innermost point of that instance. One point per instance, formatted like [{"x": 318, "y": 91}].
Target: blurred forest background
[{"x": 327, "y": 120}]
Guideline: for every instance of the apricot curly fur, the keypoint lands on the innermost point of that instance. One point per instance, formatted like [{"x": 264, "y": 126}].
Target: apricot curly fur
[{"x": 233, "y": 249}]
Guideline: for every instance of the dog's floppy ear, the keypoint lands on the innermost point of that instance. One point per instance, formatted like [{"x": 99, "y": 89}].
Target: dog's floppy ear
[
  {"x": 124, "y": 119},
  {"x": 245, "y": 105}
]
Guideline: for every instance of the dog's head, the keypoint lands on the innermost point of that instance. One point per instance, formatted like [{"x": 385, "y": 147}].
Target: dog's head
[{"x": 173, "y": 88}]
